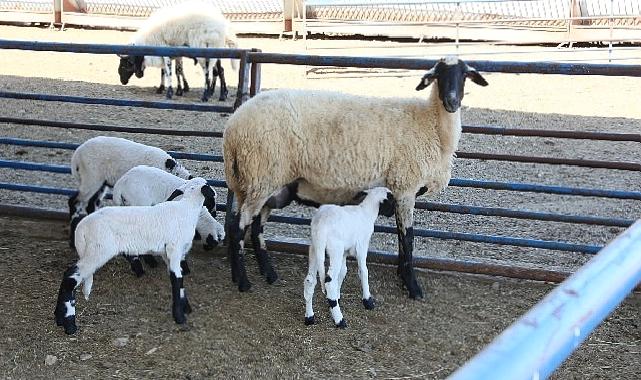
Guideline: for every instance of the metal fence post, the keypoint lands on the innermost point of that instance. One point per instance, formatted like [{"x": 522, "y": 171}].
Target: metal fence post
[{"x": 254, "y": 87}]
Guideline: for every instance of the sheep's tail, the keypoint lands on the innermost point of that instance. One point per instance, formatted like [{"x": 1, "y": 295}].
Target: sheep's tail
[{"x": 318, "y": 245}]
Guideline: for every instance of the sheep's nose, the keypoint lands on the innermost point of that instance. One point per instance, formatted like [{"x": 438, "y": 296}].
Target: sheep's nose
[{"x": 451, "y": 103}]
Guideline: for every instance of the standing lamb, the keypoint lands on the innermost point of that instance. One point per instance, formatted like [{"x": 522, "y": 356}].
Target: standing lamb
[
  {"x": 324, "y": 147},
  {"x": 100, "y": 161},
  {"x": 166, "y": 228},
  {"x": 338, "y": 231},
  {"x": 193, "y": 24}
]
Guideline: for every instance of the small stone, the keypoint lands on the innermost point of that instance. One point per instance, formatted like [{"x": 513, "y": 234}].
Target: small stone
[
  {"x": 496, "y": 286},
  {"x": 121, "y": 342},
  {"x": 84, "y": 357},
  {"x": 51, "y": 359},
  {"x": 151, "y": 351}
]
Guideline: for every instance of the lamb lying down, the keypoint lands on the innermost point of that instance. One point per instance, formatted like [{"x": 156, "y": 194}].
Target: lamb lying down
[
  {"x": 164, "y": 229},
  {"x": 339, "y": 231}
]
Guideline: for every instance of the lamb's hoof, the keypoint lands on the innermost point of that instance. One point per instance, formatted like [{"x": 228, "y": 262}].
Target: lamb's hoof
[
  {"x": 186, "y": 88},
  {"x": 187, "y": 307},
  {"x": 310, "y": 321},
  {"x": 136, "y": 267},
  {"x": 160, "y": 90},
  {"x": 271, "y": 276},
  {"x": 222, "y": 97},
  {"x": 369, "y": 303},
  {"x": 179, "y": 314},
  {"x": 411, "y": 284},
  {"x": 185, "y": 268},
  {"x": 179, "y": 91},
  {"x": 244, "y": 285},
  {"x": 69, "y": 324},
  {"x": 59, "y": 316},
  {"x": 170, "y": 93},
  {"x": 342, "y": 324}
]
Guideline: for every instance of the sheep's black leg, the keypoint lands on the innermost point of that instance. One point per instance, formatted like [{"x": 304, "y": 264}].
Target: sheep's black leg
[
  {"x": 206, "y": 91},
  {"x": 65, "y": 312},
  {"x": 136, "y": 265},
  {"x": 179, "y": 300},
  {"x": 223, "y": 83},
  {"x": 236, "y": 254},
  {"x": 161, "y": 88},
  {"x": 170, "y": 89},
  {"x": 179, "y": 69},
  {"x": 260, "y": 249},
  {"x": 214, "y": 77},
  {"x": 150, "y": 260},
  {"x": 184, "y": 267},
  {"x": 404, "y": 221}
]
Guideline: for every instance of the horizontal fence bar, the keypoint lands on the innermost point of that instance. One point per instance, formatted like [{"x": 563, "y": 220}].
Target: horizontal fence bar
[
  {"x": 522, "y": 214},
  {"x": 454, "y": 182},
  {"x": 106, "y": 128},
  {"x": 513, "y": 67},
  {"x": 632, "y": 166},
  {"x": 536, "y": 344},
  {"x": 547, "y": 189},
  {"x": 73, "y": 146},
  {"x": 116, "y": 102},
  {"x": 164, "y": 51},
  {"x": 486, "y": 130}
]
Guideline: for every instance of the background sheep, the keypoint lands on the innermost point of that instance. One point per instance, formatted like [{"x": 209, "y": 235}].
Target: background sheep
[
  {"x": 192, "y": 24},
  {"x": 100, "y": 161},
  {"x": 146, "y": 186},
  {"x": 127, "y": 68},
  {"x": 166, "y": 228},
  {"x": 324, "y": 147},
  {"x": 338, "y": 231}
]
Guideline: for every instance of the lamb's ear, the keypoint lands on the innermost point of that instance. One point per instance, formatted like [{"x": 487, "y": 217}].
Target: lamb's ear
[
  {"x": 474, "y": 75},
  {"x": 427, "y": 79},
  {"x": 388, "y": 206},
  {"x": 358, "y": 198},
  {"x": 170, "y": 164},
  {"x": 175, "y": 195},
  {"x": 138, "y": 69}
]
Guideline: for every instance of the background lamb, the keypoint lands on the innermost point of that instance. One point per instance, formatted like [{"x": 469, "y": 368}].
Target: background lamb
[
  {"x": 146, "y": 186},
  {"x": 192, "y": 24},
  {"x": 100, "y": 161},
  {"x": 324, "y": 147},
  {"x": 337, "y": 231},
  {"x": 166, "y": 228}
]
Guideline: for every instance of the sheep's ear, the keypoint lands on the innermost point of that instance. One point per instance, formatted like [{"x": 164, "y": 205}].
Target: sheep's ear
[
  {"x": 358, "y": 198},
  {"x": 175, "y": 195},
  {"x": 170, "y": 164},
  {"x": 210, "y": 199},
  {"x": 388, "y": 206},
  {"x": 427, "y": 79},
  {"x": 474, "y": 75}
]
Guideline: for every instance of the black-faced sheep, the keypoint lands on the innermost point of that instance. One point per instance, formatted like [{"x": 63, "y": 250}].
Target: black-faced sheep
[
  {"x": 127, "y": 68},
  {"x": 339, "y": 231},
  {"x": 324, "y": 147},
  {"x": 164, "y": 229},
  {"x": 193, "y": 24}
]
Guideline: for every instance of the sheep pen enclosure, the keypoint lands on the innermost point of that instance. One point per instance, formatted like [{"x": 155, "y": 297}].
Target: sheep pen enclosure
[{"x": 125, "y": 329}]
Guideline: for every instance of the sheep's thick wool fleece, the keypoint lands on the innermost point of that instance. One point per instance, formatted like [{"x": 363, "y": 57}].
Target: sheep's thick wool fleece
[{"x": 403, "y": 144}]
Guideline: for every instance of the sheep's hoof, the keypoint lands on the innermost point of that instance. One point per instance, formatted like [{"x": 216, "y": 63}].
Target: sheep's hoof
[
  {"x": 150, "y": 260},
  {"x": 69, "y": 324},
  {"x": 179, "y": 91},
  {"x": 310, "y": 320},
  {"x": 185, "y": 268},
  {"x": 342, "y": 324},
  {"x": 59, "y": 314},
  {"x": 160, "y": 89},
  {"x": 136, "y": 267},
  {"x": 204, "y": 98},
  {"x": 271, "y": 276},
  {"x": 186, "y": 88},
  {"x": 244, "y": 285},
  {"x": 179, "y": 314},
  {"x": 223, "y": 96},
  {"x": 170, "y": 92},
  {"x": 369, "y": 303},
  {"x": 412, "y": 285}
]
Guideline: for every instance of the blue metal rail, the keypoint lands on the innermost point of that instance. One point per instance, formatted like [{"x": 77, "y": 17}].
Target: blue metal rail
[{"x": 535, "y": 345}]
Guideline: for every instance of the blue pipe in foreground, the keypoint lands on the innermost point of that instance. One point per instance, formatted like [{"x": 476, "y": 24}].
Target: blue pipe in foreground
[
  {"x": 535, "y": 345},
  {"x": 116, "y": 102}
]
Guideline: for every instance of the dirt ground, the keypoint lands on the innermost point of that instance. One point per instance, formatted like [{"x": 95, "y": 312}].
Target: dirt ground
[{"x": 261, "y": 333}]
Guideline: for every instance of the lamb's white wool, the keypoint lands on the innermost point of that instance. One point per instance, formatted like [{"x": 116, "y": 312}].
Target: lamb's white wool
[
  {"x": 101, "y": 161},
  {"x": 164, "y": 229},
  {"x": 146, "y": 186},
  {"x": 324, "y": 147},
  {"x": 338, "y": 231},
  {"x": 195, "y": 24}
]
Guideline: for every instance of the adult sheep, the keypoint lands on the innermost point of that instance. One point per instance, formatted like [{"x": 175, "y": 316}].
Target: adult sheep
[
  {"x": 127, "y": 68},
  {"x": 193, "y": 24},
  {"x": 325, "y": 147}
]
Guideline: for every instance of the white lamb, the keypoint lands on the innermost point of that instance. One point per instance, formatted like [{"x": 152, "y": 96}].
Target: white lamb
[
  {"x": 194, "y": 24},
  {"x": 339, "y": 231},
  {"x": 324, "y": 147},
  {"x": 146, "y": 186},
  {"x": 100, "y": 161},
  {"x": 166, "y": 228}
]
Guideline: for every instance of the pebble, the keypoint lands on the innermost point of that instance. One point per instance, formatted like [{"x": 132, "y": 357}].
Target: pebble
[
  {"x": 51, "y": 359},
  {"x": 496, "y": 286},
  {"x": 151, "y": 351},
  {"x": 84, "y": 357},
  {"x": 121, "y": 342}
]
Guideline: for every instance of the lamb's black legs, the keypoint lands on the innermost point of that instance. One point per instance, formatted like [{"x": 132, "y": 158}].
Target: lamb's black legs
[
  {"x": 404, "y": 222},
  {"x": 218, "y": 71},
  {"x": 207, "y": 91},
  {"x": 237, "y": 255},
  {"x": 260, "y": 249},
  {"x": 161, "y": 88},
  {"x": 180, "y": 303},
  {"x": 65, "y": 312}
]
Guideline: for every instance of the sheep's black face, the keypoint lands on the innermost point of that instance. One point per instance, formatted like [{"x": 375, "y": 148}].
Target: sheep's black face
[
  {"x": 450, "y": 74},
  {"x": 388, "y": 206},
  {"x": 130, "y": 65}
]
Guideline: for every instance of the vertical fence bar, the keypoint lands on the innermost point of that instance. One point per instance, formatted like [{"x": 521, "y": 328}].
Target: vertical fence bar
[
  {"x": 535, "y": 345},
  {"x": 254, "y": 87},
  {"x": 242, "y": 92}
]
